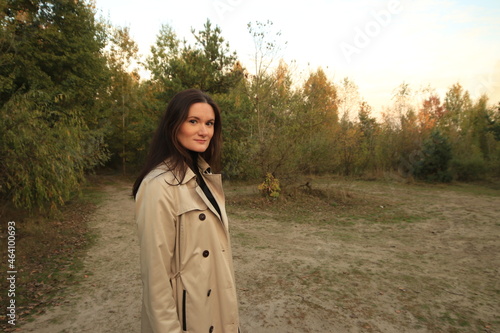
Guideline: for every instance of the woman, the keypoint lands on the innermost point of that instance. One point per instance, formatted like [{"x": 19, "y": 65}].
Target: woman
[{"x": 186, "y": 261}]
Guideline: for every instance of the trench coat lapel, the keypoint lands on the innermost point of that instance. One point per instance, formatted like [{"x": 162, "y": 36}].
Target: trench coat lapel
[
  {"x": 207, "y": 202},
  {"x": 214, "y": 183}
]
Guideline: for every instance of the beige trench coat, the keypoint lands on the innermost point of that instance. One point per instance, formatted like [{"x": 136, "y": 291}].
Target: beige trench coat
[{"x": 185, "y": 256}]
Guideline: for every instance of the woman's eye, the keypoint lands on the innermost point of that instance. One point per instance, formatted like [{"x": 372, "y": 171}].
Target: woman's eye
[
  {"x": 192, "y": 121},
  {"x": 210, "y": 123}
]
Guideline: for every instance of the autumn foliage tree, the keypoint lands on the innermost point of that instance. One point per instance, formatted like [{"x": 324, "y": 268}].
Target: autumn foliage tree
[
  {"x": 318, "y": 119},
  {"x": 430, "y": 114}
]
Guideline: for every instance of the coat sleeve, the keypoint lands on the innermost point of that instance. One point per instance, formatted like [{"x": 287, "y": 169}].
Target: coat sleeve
[{"x": 156, "y": 221}]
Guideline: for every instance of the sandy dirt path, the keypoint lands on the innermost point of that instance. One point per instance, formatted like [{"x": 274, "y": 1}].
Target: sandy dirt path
[{"x": 108, "y": 300}]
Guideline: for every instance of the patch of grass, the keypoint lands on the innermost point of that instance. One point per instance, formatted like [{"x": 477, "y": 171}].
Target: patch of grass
[
  {"x": 243, "y": 238},
  {"x": 93, "y": 196},
  {"x": 454, "y": 319},
  {"x": 477, "y": 188},
  {"x": 327, "y": 202}
]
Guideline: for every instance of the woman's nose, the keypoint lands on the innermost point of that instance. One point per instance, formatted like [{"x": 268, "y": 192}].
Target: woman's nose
[{"x": 203, "y": 130}]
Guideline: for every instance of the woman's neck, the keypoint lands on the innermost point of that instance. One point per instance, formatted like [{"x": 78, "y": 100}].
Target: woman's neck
[
  {"x": 194, "y": 162},
  {"x": 194, "y": 158}
]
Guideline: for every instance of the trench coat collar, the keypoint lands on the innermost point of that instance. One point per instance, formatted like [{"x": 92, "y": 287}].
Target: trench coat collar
[
  {"x": 214, "y": 183},
  {"x": 202, "y": 165}
]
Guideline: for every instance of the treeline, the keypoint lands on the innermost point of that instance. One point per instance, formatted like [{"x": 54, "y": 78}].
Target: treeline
[{"x": 72, "y": 100}]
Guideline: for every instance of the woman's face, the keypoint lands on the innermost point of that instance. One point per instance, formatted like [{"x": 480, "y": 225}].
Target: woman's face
[{"x": 197, "y": 130}]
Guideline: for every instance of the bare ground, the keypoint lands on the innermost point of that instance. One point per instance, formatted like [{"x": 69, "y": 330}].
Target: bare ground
[{"x": 347, "y": 257}]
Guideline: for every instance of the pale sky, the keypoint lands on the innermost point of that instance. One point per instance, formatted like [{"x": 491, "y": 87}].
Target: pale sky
[{"x": 377, "y": 44}]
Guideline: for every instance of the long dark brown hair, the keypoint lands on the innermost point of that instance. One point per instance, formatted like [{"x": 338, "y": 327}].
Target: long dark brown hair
[{"x": 165, "y": 145}]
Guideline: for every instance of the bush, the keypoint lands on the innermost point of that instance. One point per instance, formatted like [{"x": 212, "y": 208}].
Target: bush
[
  {"x": 434, "y": 165},
  {"x": 270, "y": 188},
  {"x": 468, "y": 168},
  {"x": 43, "y": 164}
]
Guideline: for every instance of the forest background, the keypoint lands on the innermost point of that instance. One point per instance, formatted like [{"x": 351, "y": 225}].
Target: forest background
[{"x": 72, "y": 101}]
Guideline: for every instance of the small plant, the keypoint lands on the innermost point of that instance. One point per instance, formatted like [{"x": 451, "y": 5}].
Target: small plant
[{"x": 270, "y": 188}]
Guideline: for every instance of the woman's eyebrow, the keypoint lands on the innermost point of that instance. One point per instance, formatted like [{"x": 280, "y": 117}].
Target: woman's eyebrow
[{"x": 197, "y": 118}]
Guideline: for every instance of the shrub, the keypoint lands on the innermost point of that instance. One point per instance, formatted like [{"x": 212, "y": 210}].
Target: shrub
[
  {"x": 434, "y": 165},
  {"x": 270, "y": 188},
  {"x": 469, "y": 168}
]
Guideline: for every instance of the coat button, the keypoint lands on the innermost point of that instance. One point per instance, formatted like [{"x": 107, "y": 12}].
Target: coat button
[
  {"x": 209, "y": 292},
  {"x": 206, "y": 253},
  {"x": 202, "y": 217},
  {"x": 211, "y": 329}
]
